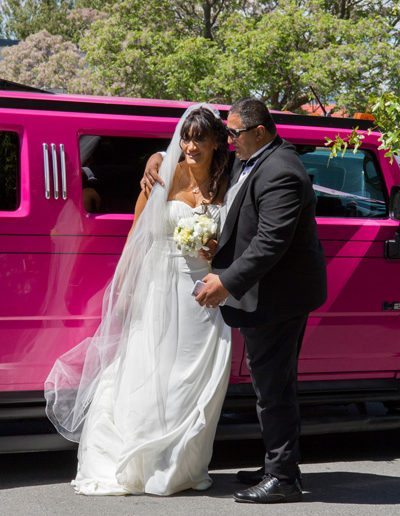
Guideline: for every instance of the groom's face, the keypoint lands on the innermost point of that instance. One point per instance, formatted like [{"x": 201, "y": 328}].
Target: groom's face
[{"x": 246, "y": 143}]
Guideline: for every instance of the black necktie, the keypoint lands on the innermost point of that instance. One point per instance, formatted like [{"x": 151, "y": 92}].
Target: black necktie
[{"x": 247, "y": 163}]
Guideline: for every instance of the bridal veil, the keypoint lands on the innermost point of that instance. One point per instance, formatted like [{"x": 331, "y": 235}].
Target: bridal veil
[{"x": 72, "y": 382}]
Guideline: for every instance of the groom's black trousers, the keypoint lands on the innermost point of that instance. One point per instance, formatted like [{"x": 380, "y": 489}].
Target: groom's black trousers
[{"x": 272, "y": 352}]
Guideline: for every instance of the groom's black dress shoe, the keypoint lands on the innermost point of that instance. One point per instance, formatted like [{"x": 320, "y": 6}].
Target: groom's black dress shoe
[
  {"x": 254, "y": 477},
  {"x": 270, "y": 490}
]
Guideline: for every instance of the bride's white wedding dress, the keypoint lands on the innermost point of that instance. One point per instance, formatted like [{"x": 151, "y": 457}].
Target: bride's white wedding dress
[{"x": 150, "y": 428}]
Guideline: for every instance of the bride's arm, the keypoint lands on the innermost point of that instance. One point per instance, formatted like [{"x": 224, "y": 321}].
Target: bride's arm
[
  {"x": 146, "y": 190},
  {"x": 139, "y": 207}
]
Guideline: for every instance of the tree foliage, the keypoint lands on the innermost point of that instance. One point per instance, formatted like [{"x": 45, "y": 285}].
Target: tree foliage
[
  {"x": 21, "y": 18},
  {"x": 386, "y": 114},
  {"x": 46, "y": 61},
  {"x": 347, "y": 9},
  {"x": 69, "y": 18}
]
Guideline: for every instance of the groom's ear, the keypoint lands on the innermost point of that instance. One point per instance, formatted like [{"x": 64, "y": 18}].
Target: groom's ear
[{"x": 261, "y": 132}]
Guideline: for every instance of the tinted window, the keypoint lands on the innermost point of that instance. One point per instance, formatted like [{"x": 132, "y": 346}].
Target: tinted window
[
  {"x": 345, "y": 187},
  {"x": 111, "y": 170},
  {"x": 9, "y": 171}
]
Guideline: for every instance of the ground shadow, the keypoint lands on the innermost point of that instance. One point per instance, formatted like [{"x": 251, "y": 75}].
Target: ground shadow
[
  {"x": 32, "y": 469},
  {"x": 352, "y": 488},
  {"x": 347, "y": 447},
  {"x": 339, "y": 487}
]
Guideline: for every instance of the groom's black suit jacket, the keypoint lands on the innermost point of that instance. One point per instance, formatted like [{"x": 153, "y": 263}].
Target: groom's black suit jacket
[{"x": 270, "y": 240}]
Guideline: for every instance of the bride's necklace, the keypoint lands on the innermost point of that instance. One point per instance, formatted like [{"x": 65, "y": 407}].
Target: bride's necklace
[{"x": 197, "y": 190}]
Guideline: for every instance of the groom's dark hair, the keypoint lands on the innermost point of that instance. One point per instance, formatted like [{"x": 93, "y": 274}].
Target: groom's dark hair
[{"x": 254, "y": 112}]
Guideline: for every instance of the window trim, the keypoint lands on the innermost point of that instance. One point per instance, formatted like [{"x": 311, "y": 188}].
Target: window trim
[{"x": 18, "y": 210}]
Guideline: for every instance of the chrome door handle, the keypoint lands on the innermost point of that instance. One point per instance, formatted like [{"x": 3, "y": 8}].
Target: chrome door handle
[
  {"x": 55, "y": 170},
  {"x": 63, "y": 172},
  {"x": 46, "y": 168}
]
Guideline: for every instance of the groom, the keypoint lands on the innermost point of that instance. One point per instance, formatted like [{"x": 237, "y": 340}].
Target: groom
[{"x": 270, "y": 269}]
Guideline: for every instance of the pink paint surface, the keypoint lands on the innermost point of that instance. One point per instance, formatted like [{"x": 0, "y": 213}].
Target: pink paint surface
[{"x": 55, "y": 259}]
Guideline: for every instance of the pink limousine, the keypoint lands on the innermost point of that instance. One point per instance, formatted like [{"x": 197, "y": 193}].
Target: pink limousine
[{"x": 69, "y": 175}]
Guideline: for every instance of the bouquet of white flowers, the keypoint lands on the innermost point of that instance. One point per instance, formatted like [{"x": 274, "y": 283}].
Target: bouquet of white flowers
[{"x": 192, "y": 233}]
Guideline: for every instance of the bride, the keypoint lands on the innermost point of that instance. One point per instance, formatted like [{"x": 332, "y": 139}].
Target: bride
[{"x": 144, "y": 394}]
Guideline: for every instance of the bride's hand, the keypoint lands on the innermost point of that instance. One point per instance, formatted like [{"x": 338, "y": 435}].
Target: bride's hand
[{"x": 208, "y": 254}]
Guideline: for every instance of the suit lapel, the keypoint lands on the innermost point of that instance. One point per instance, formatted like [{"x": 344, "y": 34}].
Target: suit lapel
[{"x": 233, "y": 212}]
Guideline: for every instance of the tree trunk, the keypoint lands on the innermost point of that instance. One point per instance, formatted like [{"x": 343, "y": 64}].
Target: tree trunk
[
  {"x": 295, "y": 103},
  {"x": 342, "y": 11},
  {"x": 207, "y": 20}
]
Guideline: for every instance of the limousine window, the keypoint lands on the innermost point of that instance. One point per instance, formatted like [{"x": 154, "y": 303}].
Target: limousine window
[
  {"x": 9, "y": 171},
  {"x": 349, "y": 186},
  {"x": 111, "y": 170}
]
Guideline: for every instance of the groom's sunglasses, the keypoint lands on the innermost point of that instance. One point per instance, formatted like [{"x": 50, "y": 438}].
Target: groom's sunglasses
[{"x": 235, "y": 133}]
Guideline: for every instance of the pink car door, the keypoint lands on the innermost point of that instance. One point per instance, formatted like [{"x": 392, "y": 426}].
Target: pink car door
[
  {"x": 34, "y": 193},
  {"x": 111, "y": 152}
]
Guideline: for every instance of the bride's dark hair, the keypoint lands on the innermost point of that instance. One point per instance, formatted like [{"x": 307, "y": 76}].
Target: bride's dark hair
[{"x": 202, "y": 123}]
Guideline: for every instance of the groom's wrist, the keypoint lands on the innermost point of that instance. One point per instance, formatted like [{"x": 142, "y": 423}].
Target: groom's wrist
[{"x": 229, "y": 284}]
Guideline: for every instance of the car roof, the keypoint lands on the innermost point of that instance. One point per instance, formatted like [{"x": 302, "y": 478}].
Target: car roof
[{"x": 32, "y": 99}]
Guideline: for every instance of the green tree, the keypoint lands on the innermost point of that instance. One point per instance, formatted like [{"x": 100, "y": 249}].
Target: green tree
[
  {"x": 99, "y": 5},
  {"x": 158, "y": 48},
  {"x": 280, "y": 54},
  {"x": 347, "y": 9},
  {"x": 203, "y": 18},
  {"x": 222, "y": 50},
  {"x": 68, "y": 18},
  {"x": 276, "y": 53},
  {"x": 21, "y": 18}
]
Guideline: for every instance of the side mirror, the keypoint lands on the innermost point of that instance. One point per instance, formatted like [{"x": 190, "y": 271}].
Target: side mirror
[{"x": 394, "y": 203}]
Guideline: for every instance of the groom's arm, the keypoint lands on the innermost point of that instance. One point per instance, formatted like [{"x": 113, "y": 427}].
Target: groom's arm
[
  {"x": 279, "y": 208},
  {"x": 150, "y": 175}
]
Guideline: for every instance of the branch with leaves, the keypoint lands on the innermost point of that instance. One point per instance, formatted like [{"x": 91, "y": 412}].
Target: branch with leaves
[
  {"x": 386, "y": 112},
  {"x": 340, "y": 145}
]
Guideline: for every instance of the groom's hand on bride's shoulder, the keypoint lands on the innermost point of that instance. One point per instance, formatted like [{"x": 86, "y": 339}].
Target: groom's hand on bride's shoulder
[
  {"x": 150, "y": 176},
  {"x": 213, "y": 293}
]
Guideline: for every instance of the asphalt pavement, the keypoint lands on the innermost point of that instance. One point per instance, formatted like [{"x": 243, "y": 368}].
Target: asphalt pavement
[{"x": 343, "y": 475}]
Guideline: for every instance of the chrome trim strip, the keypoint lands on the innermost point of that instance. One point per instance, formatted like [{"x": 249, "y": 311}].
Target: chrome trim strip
[
  {"x": 47, "y": 192},
  {"x": 55, "y": 171},
  {"x": 63, "y": 172}
]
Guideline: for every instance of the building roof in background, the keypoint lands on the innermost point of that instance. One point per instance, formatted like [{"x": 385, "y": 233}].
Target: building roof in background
[{"x": 314, "y": 109}]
